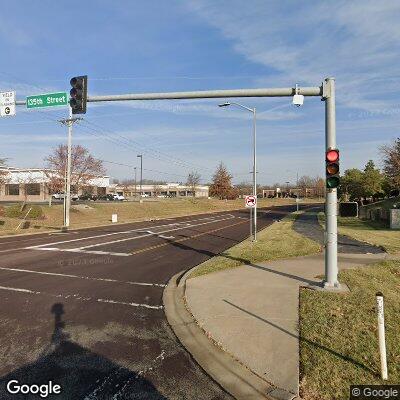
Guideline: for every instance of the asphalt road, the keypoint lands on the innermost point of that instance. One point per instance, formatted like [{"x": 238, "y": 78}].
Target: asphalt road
[{"x": 83, "y": 309}]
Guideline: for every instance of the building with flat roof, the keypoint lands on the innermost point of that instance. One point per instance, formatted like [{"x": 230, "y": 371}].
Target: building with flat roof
[
  {"x": 33, "y": 184},
  {"x": 164, "y": 190}
]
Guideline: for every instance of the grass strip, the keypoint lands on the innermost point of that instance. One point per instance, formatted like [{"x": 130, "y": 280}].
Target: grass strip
[
  {"x": 338, "y": 333},
  {"x": 277, "y": 241}
]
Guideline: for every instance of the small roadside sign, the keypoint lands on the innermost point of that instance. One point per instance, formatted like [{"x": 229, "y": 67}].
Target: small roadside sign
[
  {"x": 251, "y": 201},
  {"x": 7, "y": 103},
  {"x": 47, "y": 100}
]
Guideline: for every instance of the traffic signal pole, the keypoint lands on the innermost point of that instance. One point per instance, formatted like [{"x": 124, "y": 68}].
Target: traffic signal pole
[
  {"x": 326, "y": 91},
  {"x": 331, "y": 267}
]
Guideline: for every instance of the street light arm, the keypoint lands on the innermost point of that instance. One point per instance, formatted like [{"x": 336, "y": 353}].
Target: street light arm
[{"x": 252, "y": 110}]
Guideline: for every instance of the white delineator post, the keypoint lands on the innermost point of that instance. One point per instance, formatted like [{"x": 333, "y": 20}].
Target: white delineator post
[
  {"x": 381, "y": 334},
  {"x": 331, "y": 267}
]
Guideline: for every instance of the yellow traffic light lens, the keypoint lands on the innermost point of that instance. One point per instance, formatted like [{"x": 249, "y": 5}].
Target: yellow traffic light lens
[{"x": 332, "y": 169}]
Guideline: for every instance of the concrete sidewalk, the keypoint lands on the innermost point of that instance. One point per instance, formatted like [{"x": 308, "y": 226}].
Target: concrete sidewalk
[{"x": 252, "y": 312}]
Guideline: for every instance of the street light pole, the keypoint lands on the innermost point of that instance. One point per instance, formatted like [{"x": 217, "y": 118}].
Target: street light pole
[
  {"x": 252, "y": 110},
  {"x": 255, "y": 173},
  {"x": 141, "y": 172},
  {"x": 135, "y": 182}
]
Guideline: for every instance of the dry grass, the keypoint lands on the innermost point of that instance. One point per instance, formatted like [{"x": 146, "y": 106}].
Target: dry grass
[
  {"x": 100, "y": 213},
  {"x": 276, "y": 241},
  {"x": 338, "y": 333}
]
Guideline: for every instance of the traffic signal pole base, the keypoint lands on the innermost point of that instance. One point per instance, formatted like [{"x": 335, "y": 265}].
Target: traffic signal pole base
[
  {"x": 326, "y": 287},
  {"x": 64, "y": 229}
]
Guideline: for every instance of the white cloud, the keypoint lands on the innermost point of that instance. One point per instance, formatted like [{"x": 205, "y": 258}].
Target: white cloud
[{"x": 355, "y": 41}]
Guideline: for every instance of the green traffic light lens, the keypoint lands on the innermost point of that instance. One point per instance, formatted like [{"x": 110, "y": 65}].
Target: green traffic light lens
[{"x": 332, "y": 182}]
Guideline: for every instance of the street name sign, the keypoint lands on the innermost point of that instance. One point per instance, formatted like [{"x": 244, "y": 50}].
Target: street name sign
[
  {"x": 251, "y": 201},
  {"x": 7, "y": 103},
  {"x": 47, "y": 100}
]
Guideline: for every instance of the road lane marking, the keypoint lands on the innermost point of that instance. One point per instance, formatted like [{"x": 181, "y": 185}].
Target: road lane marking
[
  {"x": 151, "y": 234},
  {"x": 184, "y": 239},
  {"x": 82, "y": 277},
  {"x": 79, "y": 297},
  {"x": 121, "y": 232}
]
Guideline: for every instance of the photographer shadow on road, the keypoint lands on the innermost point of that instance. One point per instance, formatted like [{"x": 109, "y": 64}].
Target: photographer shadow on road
[{"x": 81, "y": 373}]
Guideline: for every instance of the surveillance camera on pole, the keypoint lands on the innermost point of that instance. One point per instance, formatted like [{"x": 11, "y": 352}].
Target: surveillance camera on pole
[{"x": 298, "y": 99}]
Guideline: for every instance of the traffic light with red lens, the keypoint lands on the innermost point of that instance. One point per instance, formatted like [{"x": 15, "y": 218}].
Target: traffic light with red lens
[
  {"x": 332, "y": 169},
  {"x": 78, "y": 94}
]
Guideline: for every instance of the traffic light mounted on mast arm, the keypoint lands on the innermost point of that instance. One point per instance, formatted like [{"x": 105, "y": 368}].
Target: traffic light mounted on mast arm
[
  {"x": 78, "y": 94},
  {"x": 332, "y": 168}
]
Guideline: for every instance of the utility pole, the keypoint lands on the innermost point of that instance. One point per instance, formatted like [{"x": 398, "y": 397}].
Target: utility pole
[
  {"x": 67, "y": 195},
  {"x": 135, "y": 181},
  {"x": 141, "y": 172}
]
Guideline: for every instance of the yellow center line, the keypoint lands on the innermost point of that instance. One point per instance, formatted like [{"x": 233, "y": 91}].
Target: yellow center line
[{"x": 184, "y": 239}]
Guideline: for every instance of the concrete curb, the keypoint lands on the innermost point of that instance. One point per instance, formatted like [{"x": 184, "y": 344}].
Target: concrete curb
[{"x": 232, "y": 376}]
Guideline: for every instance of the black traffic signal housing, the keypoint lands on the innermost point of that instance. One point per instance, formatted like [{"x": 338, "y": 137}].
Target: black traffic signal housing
[
  {"x": 332, "y": 168},
  {"x": 78, "y": 94}
]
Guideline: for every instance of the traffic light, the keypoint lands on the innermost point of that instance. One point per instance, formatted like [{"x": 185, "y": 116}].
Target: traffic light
[
  {"x": 78, "y": 94},
  {"x": 332, "y": 169}
]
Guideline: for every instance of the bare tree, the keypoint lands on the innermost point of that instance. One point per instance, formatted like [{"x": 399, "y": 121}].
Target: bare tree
[
  {"x": 84, "y": 167},
  {"x": 156, "y": 190},
  {"x": 391, "y": 162},
  {"x": 193, "y": 180},
  {"x": 4, "y": 173}
]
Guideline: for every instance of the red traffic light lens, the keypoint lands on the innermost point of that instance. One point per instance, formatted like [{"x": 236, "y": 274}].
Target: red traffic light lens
[{"x": 332, "y": 155}]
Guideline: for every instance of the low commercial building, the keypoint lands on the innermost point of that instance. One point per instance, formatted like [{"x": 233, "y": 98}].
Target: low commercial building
[
  {"x": 294, "y": 192},
  {"x": 32, "y": 184},
  {"x": 164, "y": 190}
]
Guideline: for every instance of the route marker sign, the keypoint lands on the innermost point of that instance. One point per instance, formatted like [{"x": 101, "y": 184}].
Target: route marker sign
[
  {"x": 47, "y": 100},
  {"x": 7, "y": 103},
  {"x": 251, "y": 201}
]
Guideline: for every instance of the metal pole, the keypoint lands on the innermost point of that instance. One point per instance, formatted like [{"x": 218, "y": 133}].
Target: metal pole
[
  {"x": 251, "y": 222},
  {"x": 255, "y": 173},
  {"x": 381, "y": 334},
  {"x": 141, "y": 173},
  {"x": 331, "y": 268},
  {"x": 68, "y": 194},
  {"x": 135, "y": 181}
]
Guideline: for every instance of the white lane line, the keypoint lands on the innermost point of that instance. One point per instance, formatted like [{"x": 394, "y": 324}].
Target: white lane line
[
  {"x": 79, "y": 297},
  {"x": 150, "y": 234},
  {"x": 117, "y": 233},
  {"x": 18, "y": 290},
  {"x": 78, "y": 250},
  {"x": 130, "y": 304},
  {"x": 82, "y": 277}
]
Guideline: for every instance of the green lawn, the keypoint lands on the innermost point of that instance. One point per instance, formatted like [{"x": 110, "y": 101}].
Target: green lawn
[
  {"x": 276, "y": 241},
  {"x": 372, "y": 232},
  {"x": 338, "y": 333}
]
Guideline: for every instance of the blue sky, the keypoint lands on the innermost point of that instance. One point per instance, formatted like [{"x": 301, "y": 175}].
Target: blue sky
[{"x": 153, "y": 46}]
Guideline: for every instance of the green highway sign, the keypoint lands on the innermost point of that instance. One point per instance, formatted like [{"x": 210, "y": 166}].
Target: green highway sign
[{"x": 47, "y": 100}]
